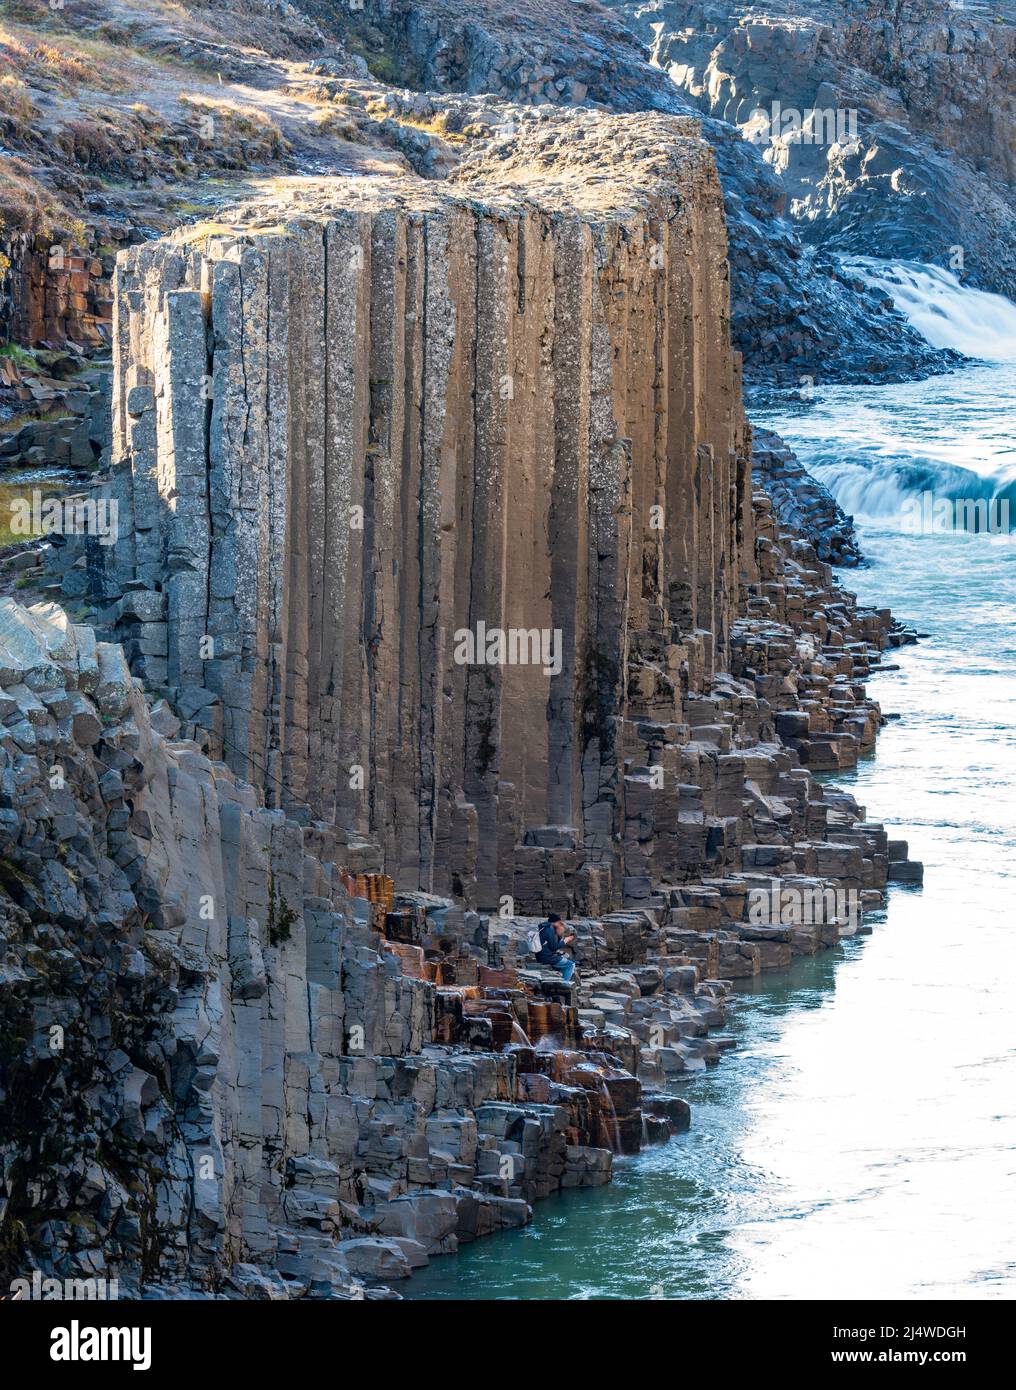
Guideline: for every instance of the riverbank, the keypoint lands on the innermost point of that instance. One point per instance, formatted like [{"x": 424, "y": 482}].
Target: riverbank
[
  {"x": 588, "y": 1075},
  {"x": 856, "y": 1143}
]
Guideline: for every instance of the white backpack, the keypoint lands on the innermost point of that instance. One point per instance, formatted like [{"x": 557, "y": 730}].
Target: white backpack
[{"x": 535, "y": 942}]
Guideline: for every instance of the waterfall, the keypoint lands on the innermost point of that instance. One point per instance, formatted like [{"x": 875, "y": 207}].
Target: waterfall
[
  {"x": 924, "y": 498},
  {"x": 616, "y": 1146},
  {"x": 923, "y": 457},
  {"x": 947, "y": 313}
]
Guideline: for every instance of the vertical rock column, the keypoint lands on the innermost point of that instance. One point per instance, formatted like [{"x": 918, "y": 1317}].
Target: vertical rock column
[
  {"x": 569, "y": 511},
  {"x": 435, "y": 409}
]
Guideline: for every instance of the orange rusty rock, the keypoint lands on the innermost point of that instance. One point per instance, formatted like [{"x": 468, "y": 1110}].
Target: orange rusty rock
[
  {"x": 497, "y": 979},
  {"x": 411, "y": 958}
]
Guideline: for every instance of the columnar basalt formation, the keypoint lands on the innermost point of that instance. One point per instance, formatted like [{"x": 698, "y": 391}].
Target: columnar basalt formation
[
  {"x": 348, "y": 435},
  {"x": 52, "y": 292},
  {"x": 230, "y": 1063},
  {"x": 268, "y": 1030}
]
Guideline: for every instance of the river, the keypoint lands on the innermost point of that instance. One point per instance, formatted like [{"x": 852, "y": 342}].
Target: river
[{"x": 861, "y": 1140}]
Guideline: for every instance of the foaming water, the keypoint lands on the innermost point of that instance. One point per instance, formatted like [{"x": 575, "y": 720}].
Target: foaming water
[
  {"x": 878, "y": 448},
  {"x": 861, "y": 1141},
  {"x": 947, "y": 313}
]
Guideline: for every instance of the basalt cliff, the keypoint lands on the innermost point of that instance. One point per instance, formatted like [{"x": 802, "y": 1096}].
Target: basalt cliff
[{"x": 278, "y": 820}]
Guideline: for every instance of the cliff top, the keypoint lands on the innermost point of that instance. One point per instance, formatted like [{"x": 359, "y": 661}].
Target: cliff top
[
  {"x": 582, "y": 163},
  {"x": 590, "y": 163}
]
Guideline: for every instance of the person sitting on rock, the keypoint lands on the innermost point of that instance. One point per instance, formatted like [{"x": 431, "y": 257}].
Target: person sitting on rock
[{"x": 553, "y": 936}]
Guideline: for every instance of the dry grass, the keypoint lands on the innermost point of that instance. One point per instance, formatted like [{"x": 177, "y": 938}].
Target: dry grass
[
  {"x": 235, "y": 117},
  {"x": 29, "y": 11},
  {"x": 339, "y": 124},
  {"x": 68, "y": 61},
  {"x": 30, "y": 417},
  {"x": 15, "y": 491},
  {"x": 15, "y": 100},
  {"x": 96, "y": 141},
  {"x": 27, "y": 206},
  {"x": 435, "y": 125},
  {"x": 68, "y": 65},
  {"x": 232, "y": 120}
]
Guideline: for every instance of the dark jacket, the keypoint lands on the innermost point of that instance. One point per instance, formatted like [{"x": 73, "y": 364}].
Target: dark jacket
[{"x": 551, "y": 944}]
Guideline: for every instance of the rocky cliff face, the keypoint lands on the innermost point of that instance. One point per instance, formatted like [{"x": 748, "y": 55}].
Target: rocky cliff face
[
  {"x": 271, "y": 1021},
  {"x": 793, "y": 314},
  {"x": 240, "y": 90},
  {"x": 227, "y": 1067},
  {"x": 505, "y": 406},
  {"x": 150, "y": 1023},
  {"x": 927, "y": 163}
]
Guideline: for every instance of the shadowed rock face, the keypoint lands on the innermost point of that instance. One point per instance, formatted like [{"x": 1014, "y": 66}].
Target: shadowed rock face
[
  {"x": 928, "y": 163},
  {"x": 154, "y": 918},
  {"x": 509, "y": 404}
]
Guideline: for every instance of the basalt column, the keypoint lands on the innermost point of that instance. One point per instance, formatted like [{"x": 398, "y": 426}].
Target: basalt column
[{"x": 418, "y": 475}]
